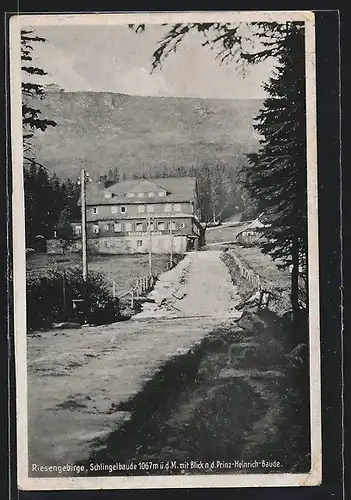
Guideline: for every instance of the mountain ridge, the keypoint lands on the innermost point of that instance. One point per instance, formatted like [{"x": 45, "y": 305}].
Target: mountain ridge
[{"x": 99, "y": 130}]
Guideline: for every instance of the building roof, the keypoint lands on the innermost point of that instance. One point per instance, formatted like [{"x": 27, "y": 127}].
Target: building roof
[{"x": 175, "y": 188}]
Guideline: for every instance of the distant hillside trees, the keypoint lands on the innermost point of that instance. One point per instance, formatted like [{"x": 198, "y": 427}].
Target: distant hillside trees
[
  {"x": 113, "y": 176},
  {"x": 64, "y": 229},
  {"x": 46, "y": 197}
]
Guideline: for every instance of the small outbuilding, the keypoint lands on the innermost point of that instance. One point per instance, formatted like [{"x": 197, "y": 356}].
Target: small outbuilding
[{"x": 253, "y": 232}]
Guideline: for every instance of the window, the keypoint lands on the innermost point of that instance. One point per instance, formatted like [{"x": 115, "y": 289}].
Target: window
[
  {"x": 173, "y": 225},
  {"x": 139, "y": 243},
  {"x": 150, "y": 208},
  {"x": 123, "y": 210},
  {"x": 139, "y": 226},
  {"x": 182, "y": 225},
  {"x": 107, "y": 195},
  {"x": 114, "y": 209},
  {"x": 130, "y": 195},
  {"x": 168, "y": 207},
  {"x": 129, "y": 226},
  {"x": 95, "y": 210},
  {"x": 150, "y": 194},
  {"x": 161, "y": 226},
  {"x": 141, "y": 208},
  {"x": 176, "y": 207},
  {"x": 117, "y": 227},
  {"x": 106, "y": 227},
  {"x": 95, "y": 229},
  {"x": 78, "y": 230},
  {"x": 140, "y": 195},
  {"x": 161, "y": 193}
]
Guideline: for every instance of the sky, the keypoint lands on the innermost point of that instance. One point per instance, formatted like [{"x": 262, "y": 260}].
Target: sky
[{"x": 116, "y": 59}]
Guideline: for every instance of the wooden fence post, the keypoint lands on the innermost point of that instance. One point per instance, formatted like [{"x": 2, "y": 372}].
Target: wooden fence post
[
  {"x": 132, "y": 299},
  {"x": 268, "y": 299}
]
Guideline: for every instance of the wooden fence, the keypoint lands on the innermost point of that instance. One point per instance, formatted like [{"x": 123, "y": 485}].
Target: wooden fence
[
  {"x": 141, "y": 286},
  {"x": 268, "y": 293},
  {"x": 246, "y": 272}
]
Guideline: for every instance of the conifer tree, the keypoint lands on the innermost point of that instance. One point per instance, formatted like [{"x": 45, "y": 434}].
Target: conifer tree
[
  {"x": 31, "y": 116},
  {"x": 278, "y": 172}
]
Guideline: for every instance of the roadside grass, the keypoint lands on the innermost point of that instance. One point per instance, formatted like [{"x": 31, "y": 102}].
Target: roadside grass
[
  {"x": 272, "y": 278},
  {"x": 263, "y": 265},
  {"x": 222, "y": 233}
]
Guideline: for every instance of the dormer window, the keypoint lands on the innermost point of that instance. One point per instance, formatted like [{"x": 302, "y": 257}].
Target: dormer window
[
  {"x": 140, "y": 195},
  {"x": 130, "y": 195},
  {"x": 108, "y": 195},
  {"x": 150, "y": 194},
  {"x": 161, "y": 193}
]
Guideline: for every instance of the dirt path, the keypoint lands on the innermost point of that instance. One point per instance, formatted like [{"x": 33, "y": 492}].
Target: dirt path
[
  {"x": 199, "y": 286},
  {"x": 77, "y": 378}
]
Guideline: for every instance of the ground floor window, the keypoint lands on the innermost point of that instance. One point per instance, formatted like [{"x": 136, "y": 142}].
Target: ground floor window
[
  {"x": 95, "y": 229},
  {"x": 161, "y": 226},
  {"x": 129, "y": 226},
  {"x": 139, "y": 226},
  {"x": 117, "y": 227}
]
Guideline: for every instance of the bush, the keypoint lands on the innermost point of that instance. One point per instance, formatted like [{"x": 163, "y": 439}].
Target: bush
[{"x": 50, "y": 298}]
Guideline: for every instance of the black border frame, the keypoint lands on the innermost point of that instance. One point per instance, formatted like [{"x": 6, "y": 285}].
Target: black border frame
[{"x": 329, "y": 181}]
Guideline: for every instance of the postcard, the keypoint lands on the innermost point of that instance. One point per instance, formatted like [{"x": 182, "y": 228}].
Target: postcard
[{"x": 165, "y": 250}]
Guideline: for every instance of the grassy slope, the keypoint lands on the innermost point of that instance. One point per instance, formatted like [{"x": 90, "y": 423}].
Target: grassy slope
[
  {"x": 126, "y": 269},
  {"x": 100, "y": 130}
]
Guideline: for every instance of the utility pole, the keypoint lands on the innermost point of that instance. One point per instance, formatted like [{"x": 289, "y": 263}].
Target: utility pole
[
  {"x": 150, "y": 250},
  {"x": 171, "y": 244},
  {"x": 84, "y": 224}
]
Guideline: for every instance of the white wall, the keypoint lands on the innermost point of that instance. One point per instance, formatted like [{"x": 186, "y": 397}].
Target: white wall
[{"x": 129, "y": 244}]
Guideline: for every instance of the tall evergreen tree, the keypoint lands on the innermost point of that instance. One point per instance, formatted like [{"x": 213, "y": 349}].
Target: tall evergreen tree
[{"x": 278, "y": 172}]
